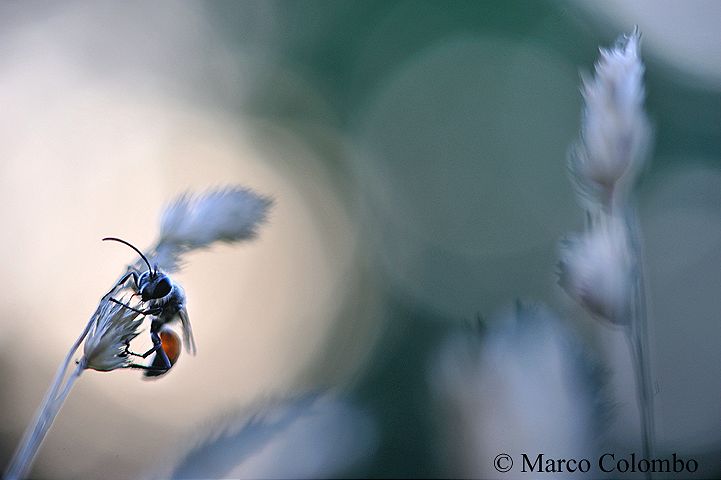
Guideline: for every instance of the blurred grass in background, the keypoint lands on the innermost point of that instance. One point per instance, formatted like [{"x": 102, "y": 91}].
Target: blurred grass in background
[{"x": 422, "y": 148}]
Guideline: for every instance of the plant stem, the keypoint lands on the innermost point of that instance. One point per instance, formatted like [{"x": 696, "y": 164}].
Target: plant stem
[
  {"x": 638, "y": 338},
  {"x": 52, "y": 402},
  {"x": 35, "y": 433}
]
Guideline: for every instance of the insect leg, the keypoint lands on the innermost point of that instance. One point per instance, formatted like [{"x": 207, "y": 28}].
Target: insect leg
[
  {"x": 154, "y": 348},
  {"x": 131, "y": 274},
  {"x": 149, "y": 370},
  {"x": 149, "y": 311},
  {"x": 127, "y": 352},
  {"x": 160, "y": 364},
  {"x": 161, "y": 358}
]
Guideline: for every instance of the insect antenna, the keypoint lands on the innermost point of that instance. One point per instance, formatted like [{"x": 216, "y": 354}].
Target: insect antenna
[{"x": 150, "y": 269}]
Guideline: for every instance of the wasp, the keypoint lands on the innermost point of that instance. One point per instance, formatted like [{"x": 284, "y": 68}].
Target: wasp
[{"x": 165, "y": 303}]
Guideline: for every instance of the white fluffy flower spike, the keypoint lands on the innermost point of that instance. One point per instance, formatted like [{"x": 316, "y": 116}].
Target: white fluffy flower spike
[
  {"x": 596, "y": 270},
  {"x": 615, "y": 133},
  {"x": 113, "y": 329},
  {"x": 191, "y": 222},
  {"x": 526, "y": 384},
  {"x": 603, "y": 268}
]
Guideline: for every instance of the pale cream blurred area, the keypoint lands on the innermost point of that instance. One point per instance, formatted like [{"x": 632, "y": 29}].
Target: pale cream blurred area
[{"x": 107, "y": 112}]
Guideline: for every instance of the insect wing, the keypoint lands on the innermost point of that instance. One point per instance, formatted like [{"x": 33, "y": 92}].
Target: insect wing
[{"x": 188, "y": 339}]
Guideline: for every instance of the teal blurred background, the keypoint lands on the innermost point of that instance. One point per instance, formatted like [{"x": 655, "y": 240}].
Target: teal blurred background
[{"x": 417, "y": 153}]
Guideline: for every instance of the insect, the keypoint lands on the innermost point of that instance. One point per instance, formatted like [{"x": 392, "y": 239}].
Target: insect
[{"x": 165, "y": 300}]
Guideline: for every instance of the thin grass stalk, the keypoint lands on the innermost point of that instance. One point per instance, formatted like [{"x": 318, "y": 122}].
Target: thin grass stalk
[
  {"x": 35, "y": 433},
  {"x": 639, "y": 343}
]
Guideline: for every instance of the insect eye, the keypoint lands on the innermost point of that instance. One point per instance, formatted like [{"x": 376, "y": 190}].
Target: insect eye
[
  {"x": 162, "y": 288},
  {"x": 145, "y": 293}
]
